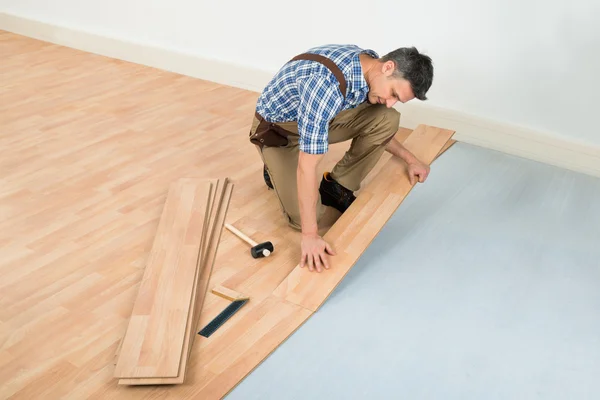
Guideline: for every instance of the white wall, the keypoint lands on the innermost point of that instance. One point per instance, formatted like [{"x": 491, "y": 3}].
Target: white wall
[{"x": 526, "y": 62}]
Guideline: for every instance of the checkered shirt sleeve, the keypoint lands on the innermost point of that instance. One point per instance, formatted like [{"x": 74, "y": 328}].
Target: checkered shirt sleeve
[{"x": 320, "y": 101}]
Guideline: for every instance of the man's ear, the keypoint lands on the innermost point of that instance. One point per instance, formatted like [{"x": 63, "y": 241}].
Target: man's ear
[{"x": 388, "y": 68}]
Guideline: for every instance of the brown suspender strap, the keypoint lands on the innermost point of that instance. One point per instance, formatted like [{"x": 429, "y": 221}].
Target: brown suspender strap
[
  {"x": 272, "y": 135},
  {"x": 329, "y": 64}
]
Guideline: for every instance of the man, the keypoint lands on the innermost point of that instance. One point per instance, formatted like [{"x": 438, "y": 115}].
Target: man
[{"x": 331, "y": 94}]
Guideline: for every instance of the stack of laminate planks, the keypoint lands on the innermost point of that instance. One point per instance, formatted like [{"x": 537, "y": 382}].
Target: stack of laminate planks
[{"x": 161, "y": 330}]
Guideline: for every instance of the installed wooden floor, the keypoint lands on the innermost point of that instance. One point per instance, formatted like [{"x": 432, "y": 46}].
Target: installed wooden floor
[{"x": 89, "y": 147}]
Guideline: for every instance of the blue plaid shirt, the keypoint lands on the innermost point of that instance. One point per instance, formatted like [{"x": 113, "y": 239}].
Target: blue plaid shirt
[{"x": 308, "y": 92}]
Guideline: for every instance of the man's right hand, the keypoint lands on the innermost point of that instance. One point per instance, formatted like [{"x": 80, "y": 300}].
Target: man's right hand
[{"x": 315, "y": 252}]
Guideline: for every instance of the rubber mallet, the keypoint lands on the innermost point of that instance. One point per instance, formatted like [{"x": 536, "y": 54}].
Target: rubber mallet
[{"x": 258, "y": 249}]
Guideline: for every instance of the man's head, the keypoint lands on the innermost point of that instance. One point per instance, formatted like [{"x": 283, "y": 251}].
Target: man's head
[{"x": 401, "y": 75}]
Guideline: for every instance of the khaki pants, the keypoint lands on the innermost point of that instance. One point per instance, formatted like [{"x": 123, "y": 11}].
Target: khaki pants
[{"x": 369, "y": 126}]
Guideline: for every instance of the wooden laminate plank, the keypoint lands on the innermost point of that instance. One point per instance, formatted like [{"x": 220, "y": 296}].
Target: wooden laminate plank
[
  {"x": 448, "y": 144},
  {"x": 354, "y": 231},
  {"x": 199, "y": 294},
  {"x": 213, "y": 204},
  {"x": 228, "y": 294},
  {"x": 154, "y": 341}
]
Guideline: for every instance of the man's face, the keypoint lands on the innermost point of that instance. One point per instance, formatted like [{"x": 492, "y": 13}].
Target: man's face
[{"x": 387, "y": 89}]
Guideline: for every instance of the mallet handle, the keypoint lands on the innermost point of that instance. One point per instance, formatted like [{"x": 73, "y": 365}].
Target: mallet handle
[{"x": 240, "y": 234}]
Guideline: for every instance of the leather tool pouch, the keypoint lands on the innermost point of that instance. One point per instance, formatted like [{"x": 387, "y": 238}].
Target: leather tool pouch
[{"x": 269, "y": 135}]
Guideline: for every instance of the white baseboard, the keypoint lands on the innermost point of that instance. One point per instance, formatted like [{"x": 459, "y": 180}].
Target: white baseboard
[
  {"x": 139, "y": 53},
  {"x": 511, "y": 139},
  {"x": 508, "y": 138}
]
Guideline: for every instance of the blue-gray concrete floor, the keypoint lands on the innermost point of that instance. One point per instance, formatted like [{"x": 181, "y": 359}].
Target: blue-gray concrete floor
[{"x": 485, "y": 284}]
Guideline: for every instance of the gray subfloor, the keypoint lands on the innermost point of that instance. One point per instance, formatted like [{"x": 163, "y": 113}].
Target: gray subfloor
[{"x": 485, "y": 284}]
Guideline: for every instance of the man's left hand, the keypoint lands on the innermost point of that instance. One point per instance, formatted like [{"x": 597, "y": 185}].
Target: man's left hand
[{"x": 417, "y": 171}]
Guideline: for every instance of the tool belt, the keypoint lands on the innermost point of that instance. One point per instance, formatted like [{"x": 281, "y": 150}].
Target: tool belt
[{"x": 270, "y": 134}]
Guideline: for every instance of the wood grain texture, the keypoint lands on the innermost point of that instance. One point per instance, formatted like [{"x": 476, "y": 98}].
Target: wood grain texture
[
  {"x": 360, "y": 224},
  {"x": 90, "y": 146},
  {"x": 218, "y": 214},
  {"x": 153, "y": 343},
  {"x": 227, "y": 293}
]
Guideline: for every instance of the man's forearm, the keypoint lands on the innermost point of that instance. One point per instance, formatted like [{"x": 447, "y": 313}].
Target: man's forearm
[
  {"x": 308, "y": 193},
  {"x": 395, "y": 148},
  {"x": 307, "y": 200}
]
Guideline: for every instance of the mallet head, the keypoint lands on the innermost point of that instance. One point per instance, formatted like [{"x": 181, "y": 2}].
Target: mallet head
[{"x": 262, "y": 250}]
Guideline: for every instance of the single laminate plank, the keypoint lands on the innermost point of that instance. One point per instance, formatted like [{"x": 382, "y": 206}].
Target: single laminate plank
[{"x": 228, "y": 294}]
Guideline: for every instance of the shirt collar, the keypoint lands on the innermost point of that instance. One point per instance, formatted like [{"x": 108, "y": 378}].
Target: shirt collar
[{"x": 358, "y": 79}]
